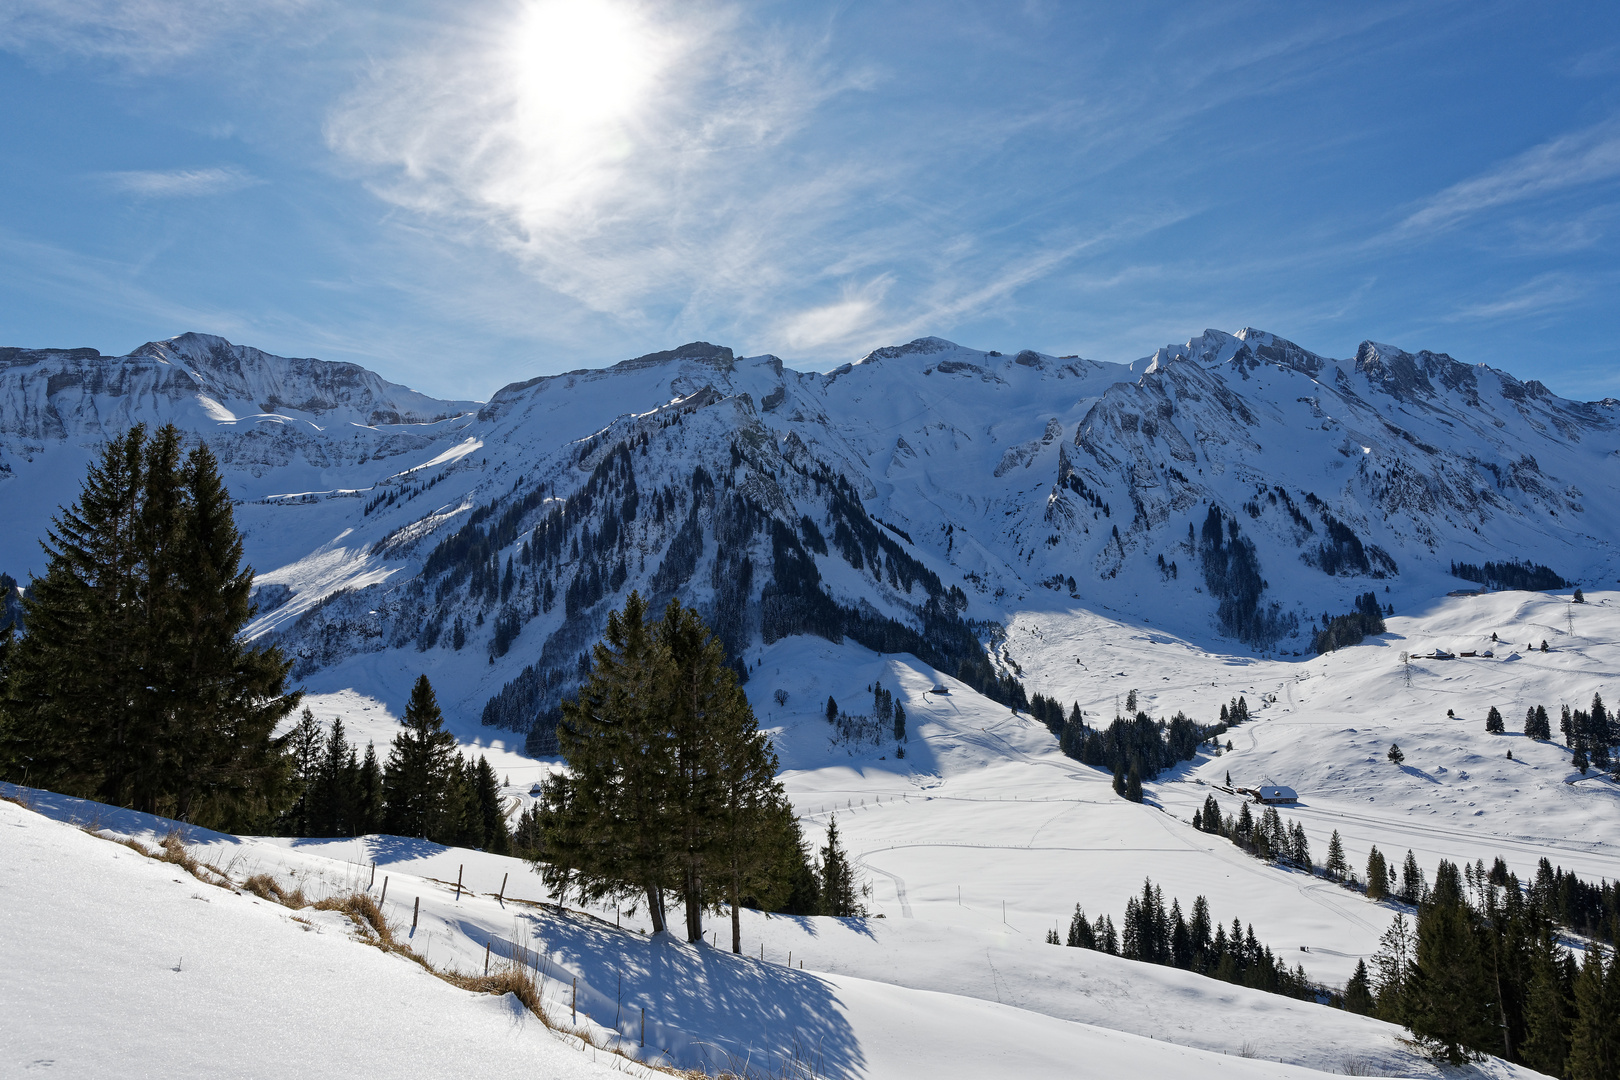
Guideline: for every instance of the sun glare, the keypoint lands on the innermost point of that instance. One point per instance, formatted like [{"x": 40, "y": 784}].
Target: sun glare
[{"x": 580, "y": 69}]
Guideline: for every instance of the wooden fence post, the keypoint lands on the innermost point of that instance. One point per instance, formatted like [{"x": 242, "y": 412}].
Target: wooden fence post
[
  {"x": 644, "y": 1025},
  {"x": 415, "y": 912},
  {"x": 487, "y": 944},
  {"x": 573, "y": 1002},
  {"x": 373, "y": 880},
  {"x": 459, "y": 869},
  {"x": 501, "y": 897},
  {"x": 384, "y": 899}
]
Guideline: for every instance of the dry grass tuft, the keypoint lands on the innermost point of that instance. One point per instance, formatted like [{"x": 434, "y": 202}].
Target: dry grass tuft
[
  {"x": 361, "y": 908},
  {"x": 509, "y": 978},
  {"x": 266, "y": 887}
]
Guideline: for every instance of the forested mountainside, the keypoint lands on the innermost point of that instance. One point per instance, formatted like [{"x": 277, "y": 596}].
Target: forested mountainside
[{"x": 1237, "y": 490}]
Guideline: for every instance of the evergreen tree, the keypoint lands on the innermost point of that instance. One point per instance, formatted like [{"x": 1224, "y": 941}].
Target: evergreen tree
[
  {"x": 1594, "y": 1047},
  {"x": 734, "y": 814},
  {"x": 832, "y": 710},
  {"x": 899, "y": 722},
  {"x": 1392, "y": 966},
  {"x": 331, "y": 803},
  {"x": 1395, "y": 754},
  {"x": 368, "y": 802},
  {"x": 528, "y": 837},
  {"x": 1536, "y": 724},
  {"x": 1377, "y": 876},
  {"x": 1411, "y": 880},
  {"x": 1549, "y": 1009},
  {"x": 671, "y": 783},
  {"x": 1493, "y": 721},
  {"x": 304, "y": 744},
  {"x": 1358, "y": 991},
  {"x": 1336, "y": 867},
  {"x": 1243, "y": 830},
  {"x": 1107, "y": 936},
  {"x": 1133, "y": 784},
  {"x": 131, "y": 684},
  {"x": 487, "y": 788},
  {"x": 839, "y": 894},
  {"x": 422, "y": 763},
  {"x": 1449, "y": 989},
  {"x": 606, "y": 823},
  {"x": 1080, "y": 932}
]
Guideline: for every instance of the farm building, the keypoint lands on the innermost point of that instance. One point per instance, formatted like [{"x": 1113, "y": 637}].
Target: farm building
[{"x": 1272, "y": 794}]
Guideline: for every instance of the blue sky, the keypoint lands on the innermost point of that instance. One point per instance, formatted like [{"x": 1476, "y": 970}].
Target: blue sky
[{"x": 463, "y": 194}]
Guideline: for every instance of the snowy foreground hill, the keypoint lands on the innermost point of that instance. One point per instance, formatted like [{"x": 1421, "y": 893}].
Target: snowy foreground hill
[
  {"x": 197, "y": 979},
  {"x": 931, "y": 518}
]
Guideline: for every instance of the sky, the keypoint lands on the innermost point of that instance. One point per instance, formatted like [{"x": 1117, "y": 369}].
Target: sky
[{"x": 460, "y": 195}]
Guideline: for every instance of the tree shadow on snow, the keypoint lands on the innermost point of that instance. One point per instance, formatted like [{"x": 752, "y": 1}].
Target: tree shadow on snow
[
  {"x": 706, "y": 1007},
  {"x": 385, "y": 848},
  {"x": 95, "y": 816}
]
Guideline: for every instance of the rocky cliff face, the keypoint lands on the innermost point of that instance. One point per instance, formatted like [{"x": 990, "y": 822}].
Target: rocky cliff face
[{"x": 909, "y": 501}]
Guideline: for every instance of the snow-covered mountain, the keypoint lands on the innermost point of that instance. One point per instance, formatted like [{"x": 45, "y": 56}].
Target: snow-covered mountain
[{"x": 915, "y": 500}]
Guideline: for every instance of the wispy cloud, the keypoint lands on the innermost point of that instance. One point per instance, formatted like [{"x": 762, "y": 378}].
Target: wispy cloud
[
  {"x": 179, "y": 183},
  {"x": 142, "y": 34},
  {"x": 621, "y": 153},
  {"x": 1545, "y": 292},
  {"x": 1580, "y": 158}
]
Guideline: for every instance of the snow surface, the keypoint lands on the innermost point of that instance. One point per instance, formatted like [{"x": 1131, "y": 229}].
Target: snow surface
[{"x": 874, "y": 998}]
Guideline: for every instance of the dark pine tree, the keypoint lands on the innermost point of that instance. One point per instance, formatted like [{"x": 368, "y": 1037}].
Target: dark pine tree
[
  {"x": 1358, "y": 991},
  {"x": 422, "y": 763},
  {"x": 839, "y": 894}
]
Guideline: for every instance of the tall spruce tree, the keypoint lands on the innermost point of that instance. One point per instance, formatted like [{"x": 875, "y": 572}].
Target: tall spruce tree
[
  {"x": 332, "y": 803},
  {"x": 1594, "y": 1046},
  {"x": 421, "y": 763},
  {"x": 131, "y": 684},
  {"x": 1449, "y": 991},
  {"x": 1377, "y": 876},
  {"x": 671, "y": 784},
  {"x": 840, "y": 895},
  {"x": 369, "y": 807},
  {"x": 1336, "y": 867},
  {"x": 1549, "y": 1009},
  {"x": 1358, "y": 991},
  {"x": 497, "y": 837},
  {"x": 605, "y": 824}
]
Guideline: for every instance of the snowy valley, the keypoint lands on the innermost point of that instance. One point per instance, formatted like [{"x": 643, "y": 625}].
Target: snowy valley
[{"x": 965, "y": 528}]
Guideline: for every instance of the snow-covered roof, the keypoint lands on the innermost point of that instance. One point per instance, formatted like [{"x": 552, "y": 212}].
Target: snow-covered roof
[{"x": 1269, "y": 792}]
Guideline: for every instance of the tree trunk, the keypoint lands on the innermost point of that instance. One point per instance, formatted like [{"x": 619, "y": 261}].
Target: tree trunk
[
  {"x": 736, "y": 916},
  {"x": 655, "y": 908},
  {"x": 694, "y": 905}
]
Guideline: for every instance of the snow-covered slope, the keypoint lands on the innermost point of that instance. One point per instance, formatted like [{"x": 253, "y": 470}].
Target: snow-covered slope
[{"x": 871, "y": 999}]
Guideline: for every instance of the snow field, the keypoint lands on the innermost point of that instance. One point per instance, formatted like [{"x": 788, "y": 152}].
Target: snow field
[{"x": 252, "y": 988}]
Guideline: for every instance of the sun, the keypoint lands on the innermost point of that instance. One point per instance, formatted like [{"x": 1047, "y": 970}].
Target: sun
[{"x": 580, "y": 70}]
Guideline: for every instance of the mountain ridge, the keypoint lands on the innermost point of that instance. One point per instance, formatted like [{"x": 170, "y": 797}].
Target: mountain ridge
[{"x": 754, "y": 491}]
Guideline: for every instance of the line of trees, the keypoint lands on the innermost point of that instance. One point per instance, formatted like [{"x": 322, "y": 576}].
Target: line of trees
[
  {"x": 130, "y": 683},
  {"x": 1191, "y": 943},
  {"x": 1342, "y": 631},
  {"x": 1484, "y": 971},
  {"x": 1592, "y": 734},
  {"x": 672, "y": 786},
  {"x": 1135, "y": 747},
  {"x": 426, "y": 789},
  {"x": 1512, "y": 574},
  {"x": 1265, "y": 838}
]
